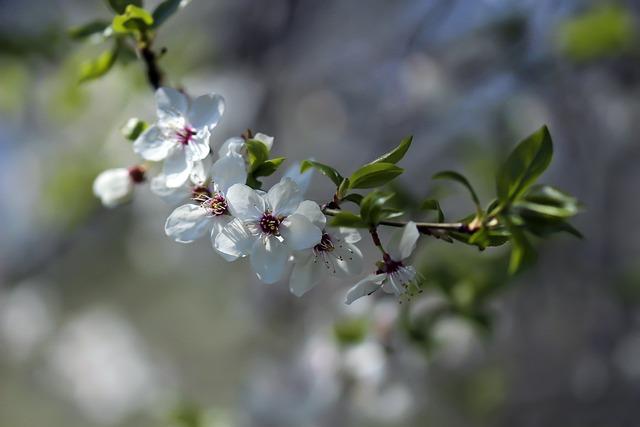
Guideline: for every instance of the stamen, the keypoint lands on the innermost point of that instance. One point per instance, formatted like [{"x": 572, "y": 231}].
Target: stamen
[
  {"x": 270, "y": 224},
  {"x": 185, "y": 135},
  {"x": 216, "y": 205},
  {"x": 325, "y": 245}
]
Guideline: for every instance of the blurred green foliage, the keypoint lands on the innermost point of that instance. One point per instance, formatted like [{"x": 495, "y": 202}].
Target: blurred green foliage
[{"x": 600, "y": 32}]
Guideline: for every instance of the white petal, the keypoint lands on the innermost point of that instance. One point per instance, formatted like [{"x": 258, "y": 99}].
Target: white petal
[
  {"x": 158, "y": 186},
  {"x": 113, "y": 187},
  {"x": 349, "y": 235},
  {"x": 232, "y": 146},
  {"x": 234, "y": 241},
  {"x": 152, "y": 144},
  {"x": 198, "y": 148},
  {"x": 284, "y": 197},
  {"x": 265, "y": 139},
  {"x": 366, "y": 286},
  {"x": 348, "y": 259},
  {"x": 269, "y": 259},
  {"x": 302, "y": 179},
  {"x": 299, "y": 233},
  {"x": 206, "y": 111},
  {"x": 218, "y": 224},
  {"x": 307, "y": 272},
  {"x": 171, "y": 103},
  {"x": 245, "y": 203},
  {"x": 177, "y": 168},
  {"x": 228, "y": 170},
  {"x": 397, "y": 282},
  {"x": 187, "y": 223},
  {"x": 200, "y": 172},
  {"x": 311, "y": 210},
  {"x": 403, "y": 242}
]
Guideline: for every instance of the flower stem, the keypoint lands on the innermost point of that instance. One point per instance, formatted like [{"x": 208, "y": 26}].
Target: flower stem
[
  {"x": 423, "y": 227},
  {"x": 150, "y": 58}
]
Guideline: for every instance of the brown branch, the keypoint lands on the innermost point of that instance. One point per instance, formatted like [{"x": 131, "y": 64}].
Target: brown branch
[{"x": 155, "y": 75}]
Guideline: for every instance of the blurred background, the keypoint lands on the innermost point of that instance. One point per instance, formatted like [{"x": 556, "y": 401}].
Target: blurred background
[{"x": 106, "y": 322}]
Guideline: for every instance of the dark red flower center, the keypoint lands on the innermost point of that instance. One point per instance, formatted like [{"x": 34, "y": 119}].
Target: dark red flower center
[
  {"x": 388, "y": 265},
  {"x": 136, "y": 173},
  {"x": 217, "y": 205},
  {"x": 185, "y": 135},
  {"x": 325, "y": 245},
  {"x": 270, "y": 224}
]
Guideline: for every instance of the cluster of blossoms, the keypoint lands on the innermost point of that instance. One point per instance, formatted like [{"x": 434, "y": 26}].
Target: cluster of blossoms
[{"x": 279, "y": 231}]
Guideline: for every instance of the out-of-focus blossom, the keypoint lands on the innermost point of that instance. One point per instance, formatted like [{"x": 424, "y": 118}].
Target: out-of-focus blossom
[{"x": 115, "y": 186}]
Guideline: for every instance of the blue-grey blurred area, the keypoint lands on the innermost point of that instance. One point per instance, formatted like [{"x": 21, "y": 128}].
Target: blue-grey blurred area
[{"x": 106, "y": 322}]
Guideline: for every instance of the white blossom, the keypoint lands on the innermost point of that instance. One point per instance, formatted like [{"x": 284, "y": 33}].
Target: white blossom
[
  {"x": 393, "y": 275},
  {"x": 115, "y": 186},
  {"x": 336, "y": 254},
  {"x": 198, "y": 182},
  {"x": 180, "y": 137},
  {"x": 211, "y": 212},
  {"x": 268, "y": 228}
]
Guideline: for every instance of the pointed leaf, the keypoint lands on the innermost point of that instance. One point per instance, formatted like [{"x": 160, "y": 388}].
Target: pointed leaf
[
  {"x": 327, "y": 171},
  {"x": 459, "y": 178},
  {"x": 374, "y": 175},
  {"x": 395, "y": 155}
]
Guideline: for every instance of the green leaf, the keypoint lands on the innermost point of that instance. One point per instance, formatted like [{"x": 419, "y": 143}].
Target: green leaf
[
  {"x": 433, "y": 205},
  {"x": 119, "y": 6},
  {"x": 353, "y": 198},
  {"x": 395, "y": 155},
  {"x": 374, "y": 175},
  {"x": 459, "y": 178},
  {"x": 327, "y": 171},
  {"x": 343, "y": 188},
  {"x": 372, "y": 205},
  {"x": 268, "y": 167},
  {"x": 348, "y": 219},
  {"x": 524, "y": 165},
  {"x": 258, "y": 153},
  {"x": 133, "y": 19},
  {"x": 133, "y": 128},
  {"x": 164, "y": 11},
  {"x": 98, "y": 67},
  {"x": 90, "y": 28},
  {"x": 523, "y": 253}
]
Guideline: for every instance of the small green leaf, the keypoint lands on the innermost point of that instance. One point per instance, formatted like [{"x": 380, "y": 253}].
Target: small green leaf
[
  {"x": 133, "y": 19},
  {"x": 395, "y": 155},
  {"x": 524, "y": 165},
  {"x": 164, "y": 11},
  {"x": 372, "y": 205},
  {"x": 522, "y": 252},
  {"x": 353, "y": 198},
  {"x": 327, "y": 171},
  {"x": 268, "y": 167},
  {"x": 98, "y": 67},
  {"x": 374, "y": 175},
  {"x": 433, "y": 205},
  {"x": 348, "y": 219},
  {"x": 258, "y": 153},
  {"x": 343, "y": 188},
  {"x": 133, "y": 128},
  {"x": 459, "y": 178},
  {"x": 119, "y": 6},
  {"x": 90, "y": 28}
]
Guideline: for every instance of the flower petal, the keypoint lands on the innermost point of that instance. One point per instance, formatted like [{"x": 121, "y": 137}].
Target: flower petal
[
  {"x": 198, "y": 148},
  {"x": 245, "y": 203},
  {"x": 265, "y": 139},
  {"x": 311, "y": 210},
  {"x": 366, "y": 286},
  {"x": 113, "y": 187},
  {"x": 348, "y": 259},
  {"x": 200, "y": 172},
  {"x": 206, "y": 111},
  {"x": 302, "y": 179},
  {"x": 152, "y": 144},
  {"x": 171, "y": 103},
  {"x": 177, "y": 168},
  {"x": 307, "y": 272},
  {"x": 349, "y": 235},
  {"x": 232, "y": 146},
  {"x": 284, "y": 197},
  {"x": 299, "y": 233},
  {"x": 403, "y": 242},
  {"x": 228, "y": 170},
  {"x": 269, "y": 259},
  {"x": 158, "y": 186},
  {"x": 234, "y": 241},
  {"x": 187, "y": 223}
]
